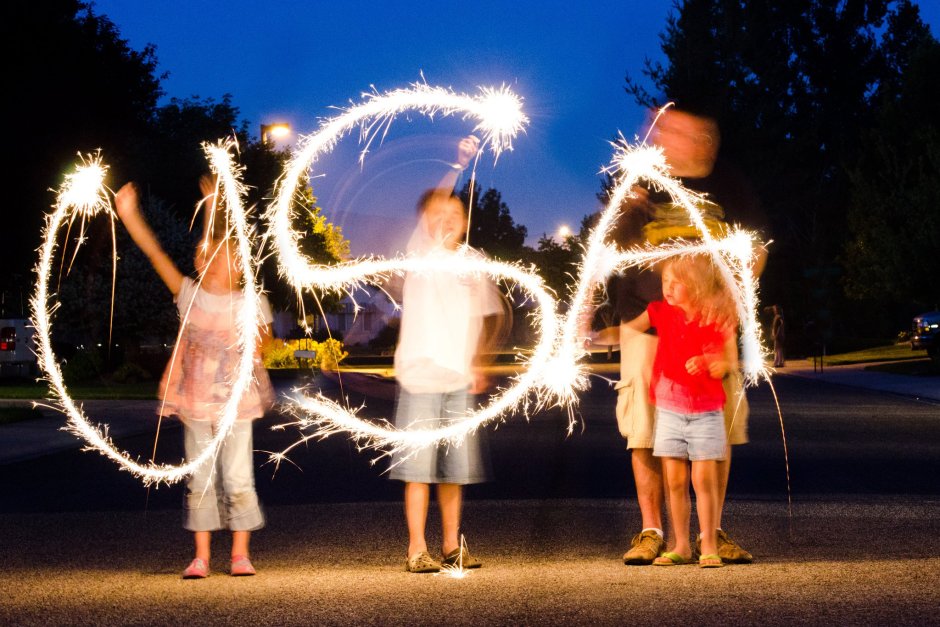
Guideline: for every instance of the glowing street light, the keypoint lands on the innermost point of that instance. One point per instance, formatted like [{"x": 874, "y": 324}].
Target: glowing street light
[
  {"x": 564, "y": 232},
  {"x": 272, "y": 132}
]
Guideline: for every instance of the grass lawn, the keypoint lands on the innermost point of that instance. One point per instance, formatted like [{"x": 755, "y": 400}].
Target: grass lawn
[
  {"x": 894, "y": 352},
  {"x": 126, "y": 391}
]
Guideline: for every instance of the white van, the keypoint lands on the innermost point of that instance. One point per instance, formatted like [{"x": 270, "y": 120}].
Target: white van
[{"x": 17, "y": 348}]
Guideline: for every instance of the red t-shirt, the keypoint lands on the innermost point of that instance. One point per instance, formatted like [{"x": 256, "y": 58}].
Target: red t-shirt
[{"x": 672, "y": 387}]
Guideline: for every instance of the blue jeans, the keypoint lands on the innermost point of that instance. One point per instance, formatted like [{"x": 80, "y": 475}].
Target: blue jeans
[
  {"x": 221, "y": 493},
  {"x": 464, "y": 463}
]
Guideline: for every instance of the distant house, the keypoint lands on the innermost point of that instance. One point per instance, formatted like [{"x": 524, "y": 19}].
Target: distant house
[{"x": 360, "y": 317}]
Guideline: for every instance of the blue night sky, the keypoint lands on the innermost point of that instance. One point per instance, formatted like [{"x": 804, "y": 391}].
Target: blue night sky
[{"x": 292, "y": 60}]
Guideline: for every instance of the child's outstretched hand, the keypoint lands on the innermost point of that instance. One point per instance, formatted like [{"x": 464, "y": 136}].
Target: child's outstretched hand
[
  {"x": 126, "y": 203},
  {"x": 467, "y": 149}
]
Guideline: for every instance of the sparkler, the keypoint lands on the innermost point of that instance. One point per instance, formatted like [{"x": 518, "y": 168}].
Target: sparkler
[
  {"x": 84, "y": 194},
  {"x": 457, "y": 569}
]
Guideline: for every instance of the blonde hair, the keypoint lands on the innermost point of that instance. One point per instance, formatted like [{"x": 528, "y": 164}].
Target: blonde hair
[{"x": 702, "y": 280}]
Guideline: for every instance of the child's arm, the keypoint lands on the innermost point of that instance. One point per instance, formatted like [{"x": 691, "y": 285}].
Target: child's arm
[
  {"x": 716, "y": 365},
  {"x": 467, "y": 149},
  {"x": 128, "y": 209},
  {"x": 612, "y": 336}
]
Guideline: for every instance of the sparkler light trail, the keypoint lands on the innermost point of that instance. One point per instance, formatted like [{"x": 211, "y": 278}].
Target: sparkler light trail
[
  {"x": 84, "y": 193},
  {"x": 499, "y": 118},
  {"x": 732, "y": 254},
  {"x": 553, "y": 374}
]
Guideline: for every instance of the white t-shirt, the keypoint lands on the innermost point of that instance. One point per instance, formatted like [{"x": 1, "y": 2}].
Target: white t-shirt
[
  {"x": 441, "y": 322},
  {"x": 221, "y": 307}
]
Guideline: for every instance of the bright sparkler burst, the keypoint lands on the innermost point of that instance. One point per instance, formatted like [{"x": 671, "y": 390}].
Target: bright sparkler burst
[{"x": 83, "y": 192}]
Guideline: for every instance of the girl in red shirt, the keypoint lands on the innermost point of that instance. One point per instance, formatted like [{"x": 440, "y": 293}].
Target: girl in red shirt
[{"x": 691, "y": 359}]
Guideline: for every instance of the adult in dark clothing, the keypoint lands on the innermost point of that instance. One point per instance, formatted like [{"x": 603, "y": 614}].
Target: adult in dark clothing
[
  {"x": 690, "y": 146},
  {"x": 778, "y": 331}
]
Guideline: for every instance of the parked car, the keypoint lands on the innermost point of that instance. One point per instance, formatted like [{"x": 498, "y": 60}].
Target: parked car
[
  {"x": 17, "y": 349},
  {"x": 926, "y": 334}
]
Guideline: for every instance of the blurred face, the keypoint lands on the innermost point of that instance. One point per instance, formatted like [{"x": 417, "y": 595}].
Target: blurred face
[
  {"x": 216, "y": 264},
  {"x": 689, "y": 143},
  {"x": 446, "y": 221},
  {"x": 674, "y": 292}
]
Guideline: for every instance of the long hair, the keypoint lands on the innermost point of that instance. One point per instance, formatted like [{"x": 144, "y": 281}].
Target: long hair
[{"x": 702, "y": 280}]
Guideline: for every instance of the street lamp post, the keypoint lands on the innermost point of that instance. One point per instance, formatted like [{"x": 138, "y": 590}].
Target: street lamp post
[{"x": 272, "y": 132}]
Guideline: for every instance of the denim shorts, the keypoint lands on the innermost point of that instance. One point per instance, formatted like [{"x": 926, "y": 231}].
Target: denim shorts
[
  {"x": 696, "y": 437},
  {"x": 463, "y": 463}
]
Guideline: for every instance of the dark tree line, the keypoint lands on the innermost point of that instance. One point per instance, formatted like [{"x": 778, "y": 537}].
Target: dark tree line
[
  {"x": 77, "y": 86},
  {"x": 830, "y": 109}
]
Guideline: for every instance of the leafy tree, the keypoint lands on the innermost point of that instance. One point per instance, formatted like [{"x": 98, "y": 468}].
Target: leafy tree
[
  {"x": 893, "y": 253},
  {"x": 556, "y": 262},
  {"x": 80, "y": 88},
  {"x": 320, "y": 241},
  {"x": 793, "y": 85},
  {"x": 143, "y": 307},
  {"x": 171, "y": 160},
  {"x": 492, "y": 228},
  {"x": 77, "y": 86}
]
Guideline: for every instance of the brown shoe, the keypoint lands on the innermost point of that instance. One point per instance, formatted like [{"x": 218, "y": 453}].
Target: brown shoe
[
  {"x": 422, "y": 563},
  {"x": 729, "y": 550},
  {"x": 644, "y": 548}
]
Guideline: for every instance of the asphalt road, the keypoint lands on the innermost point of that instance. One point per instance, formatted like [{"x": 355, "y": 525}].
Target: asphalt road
[{"x": 86, "y": 544}]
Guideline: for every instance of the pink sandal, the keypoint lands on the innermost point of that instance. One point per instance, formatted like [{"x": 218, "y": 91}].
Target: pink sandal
[
  {"x": 197, "y": 569},
  {"x": 241, "y": 566}
]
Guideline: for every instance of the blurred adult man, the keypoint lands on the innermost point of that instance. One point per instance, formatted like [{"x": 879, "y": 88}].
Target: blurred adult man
[{"x": 690, "y": 145}]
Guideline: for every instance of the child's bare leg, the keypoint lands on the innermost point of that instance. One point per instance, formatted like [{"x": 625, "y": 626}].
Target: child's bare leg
[
  {"x": 705, "y": 482},
  {"x": 676, "y": 473},
  {"x": 450, "y": 500},
  {"x": 203, "y": 544},
  {"x": 240, "y": 541},
  {"x": 417, "y": 496}
]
